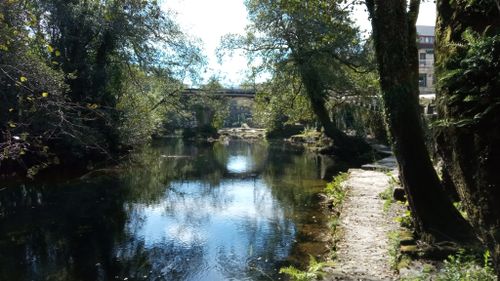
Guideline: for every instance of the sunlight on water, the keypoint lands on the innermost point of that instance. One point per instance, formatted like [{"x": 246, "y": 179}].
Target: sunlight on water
[
  {"x": 199, "y": 217},
  {"x": 239, "y": 164}
]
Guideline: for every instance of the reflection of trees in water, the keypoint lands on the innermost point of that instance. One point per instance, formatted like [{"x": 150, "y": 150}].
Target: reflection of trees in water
[
  {"x": 91, "y": 230},
  {"x": 64, "y": 236},
  {"x": 296, "y": 179},
  {"x": 155, "y": 167}
]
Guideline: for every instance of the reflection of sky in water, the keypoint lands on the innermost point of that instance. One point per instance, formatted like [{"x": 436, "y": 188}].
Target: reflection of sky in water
[
  {"x": 235, "y": 222},
  {"x": 166, "y": 219},
  {"x": 239, "y": 164}
]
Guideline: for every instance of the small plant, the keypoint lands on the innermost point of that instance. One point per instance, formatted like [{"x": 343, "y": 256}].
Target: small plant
[
  {"x": 394, "y": 254},
  {"x": 313, "y": 272},
  {"x": 405, "y": 220},
  {"x": 461, "y": 267},
  {"x": 386, "y": 195},
  {"x": 335, "y": 190},
  {"x": 334, "y": 223}
]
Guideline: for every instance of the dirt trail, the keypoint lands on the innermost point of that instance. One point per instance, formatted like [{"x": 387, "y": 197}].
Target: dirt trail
[{"x": 362, "y": 252}]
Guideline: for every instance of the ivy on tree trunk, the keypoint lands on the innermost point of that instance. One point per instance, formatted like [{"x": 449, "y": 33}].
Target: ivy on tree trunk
[
  {"x": 468, "y": 94},
  {"x": 394, "y": 34}
]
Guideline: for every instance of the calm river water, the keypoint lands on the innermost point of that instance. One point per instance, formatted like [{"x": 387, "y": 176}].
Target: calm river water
[{"x": 176, "y": 211}]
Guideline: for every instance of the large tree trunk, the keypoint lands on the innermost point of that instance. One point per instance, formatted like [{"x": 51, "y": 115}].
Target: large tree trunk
[
  {"x": 394, "y": 34},
  {"x": 469, "y": 108},
  {"x": 346, "y": 148},
  {"x": 316, "y": 95}
]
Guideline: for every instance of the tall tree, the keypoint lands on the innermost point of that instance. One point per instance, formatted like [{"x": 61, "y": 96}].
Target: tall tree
[
  {"x": 394, "y": 33},
  {"x": 468, "y": 72},
  {"x": 315, "y": 39}
]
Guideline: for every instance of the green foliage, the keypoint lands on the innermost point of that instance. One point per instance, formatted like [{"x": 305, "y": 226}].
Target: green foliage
[
  {"x": 312, "y": 51},
  {"x": 79, "y": 79},
  {"x": 472, "y": 78},
  {"x": 139, "y": 119},
  {"x": 313, "y": 272},
  {"x": 219, "y": 107},
  {"x": 335, "y": 189},
  {"x": 386, "y": 195},
  {"x": 461, "y": 267},
  {"x": 201, "y": 114},
  {"x": 394, "y": 253},
  {"x": 405, "y": 220},
  {"x": 282, "y": 101}
]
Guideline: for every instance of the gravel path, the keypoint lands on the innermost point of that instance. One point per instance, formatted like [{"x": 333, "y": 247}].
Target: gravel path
[{"x": 362, "y": 252}]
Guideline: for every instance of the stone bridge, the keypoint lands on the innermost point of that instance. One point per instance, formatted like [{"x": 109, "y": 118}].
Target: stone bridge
[{"x": 232, "y": 93}]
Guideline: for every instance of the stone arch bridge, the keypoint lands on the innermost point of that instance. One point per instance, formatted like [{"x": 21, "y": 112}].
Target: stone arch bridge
[{"x": 226, "y": 92}]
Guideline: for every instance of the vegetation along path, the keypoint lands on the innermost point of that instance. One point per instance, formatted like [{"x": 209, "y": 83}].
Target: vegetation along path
[{"x": 363, "y": 249}]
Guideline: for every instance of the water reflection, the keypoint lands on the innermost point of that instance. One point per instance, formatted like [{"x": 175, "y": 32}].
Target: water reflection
[
  {"x": 177, "y": 211},
  {"x": 239, "y": 164}
]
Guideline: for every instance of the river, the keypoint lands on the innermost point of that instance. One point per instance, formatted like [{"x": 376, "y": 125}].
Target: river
[{"x": 175, "y": 211}]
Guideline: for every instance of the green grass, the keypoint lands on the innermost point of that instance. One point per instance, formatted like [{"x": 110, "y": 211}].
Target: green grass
[
  {"x": 394, "y": 254},
  {"x": 386, "y": 195},
  {"x": 460, "y": 267}
]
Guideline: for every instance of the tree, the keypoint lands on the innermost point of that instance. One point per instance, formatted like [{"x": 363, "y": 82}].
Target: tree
[
  {"x": 468, "y": 72},
  {"x": 394, "y": 34},
  {"x": 317, "y": 38},
  {"x": 78, "y": 78},
  {"x": 282, "y": 101},
  {"x": 33, "y": 110},
  {"x": 104, "y": 42}
]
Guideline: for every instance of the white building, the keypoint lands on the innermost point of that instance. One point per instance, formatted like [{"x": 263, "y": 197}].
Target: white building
[{"x": 426, "y": 78}]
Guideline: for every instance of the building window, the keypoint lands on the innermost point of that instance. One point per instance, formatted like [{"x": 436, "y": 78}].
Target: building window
[
  {"x": 422, "y": 80},
  {"x": 423, "y": 59}
]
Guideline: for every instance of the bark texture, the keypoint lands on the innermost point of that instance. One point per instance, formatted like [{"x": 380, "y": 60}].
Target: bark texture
[
  {"x": 394, "y": 33},
  {"x": 468, "y": 71}
]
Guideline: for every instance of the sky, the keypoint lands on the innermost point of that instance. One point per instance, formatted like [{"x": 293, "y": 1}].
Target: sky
[{"x": 209, "y": 20}]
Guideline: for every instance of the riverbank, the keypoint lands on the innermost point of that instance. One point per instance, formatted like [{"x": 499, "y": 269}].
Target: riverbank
[{"x": 243, "y": 132}]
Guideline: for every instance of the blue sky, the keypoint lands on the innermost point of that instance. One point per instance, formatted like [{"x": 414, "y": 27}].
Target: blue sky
[{"x": 209, "y": 20}]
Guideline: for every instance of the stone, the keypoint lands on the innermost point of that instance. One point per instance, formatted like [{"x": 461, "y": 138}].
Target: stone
[{"x": 399, "y": 194}]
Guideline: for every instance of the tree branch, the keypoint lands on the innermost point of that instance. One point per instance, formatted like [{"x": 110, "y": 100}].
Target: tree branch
[{"x": 164, "y": 99}]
